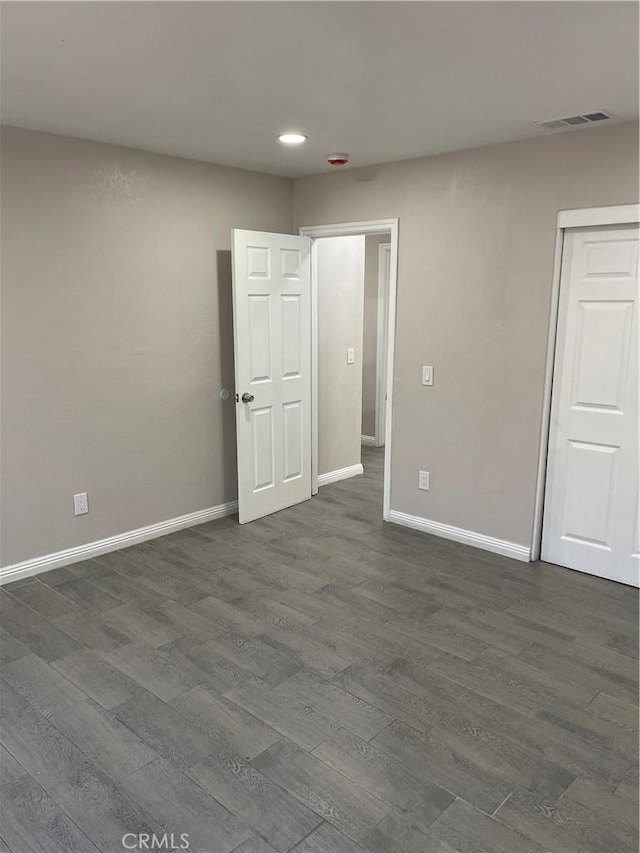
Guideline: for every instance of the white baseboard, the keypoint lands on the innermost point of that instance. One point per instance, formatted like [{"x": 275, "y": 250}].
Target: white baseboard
[
  {"x": 368, "y": 440},
  {"x": 17, "y": 571},
  {"x": 340, "y": 474},
  {"x": 467, "y": 537}
]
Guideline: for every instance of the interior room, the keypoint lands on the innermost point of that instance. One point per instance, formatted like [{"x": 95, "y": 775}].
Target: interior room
[{"x": 319, "y": 525}]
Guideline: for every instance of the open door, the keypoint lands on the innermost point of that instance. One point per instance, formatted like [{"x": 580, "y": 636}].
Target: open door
[{"x": 272, "y": 345}]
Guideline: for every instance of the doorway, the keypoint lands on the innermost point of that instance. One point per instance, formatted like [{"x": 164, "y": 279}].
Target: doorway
[
  {"x": 387, "y": 232},
  {"x": 590, "y": 511},
  {"x": 349, "y": 439},
  {"x": 275, "y": 298}
]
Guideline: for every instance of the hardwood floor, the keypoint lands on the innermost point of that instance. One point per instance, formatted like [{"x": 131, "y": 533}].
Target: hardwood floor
[{"x": 319, "y": 681}]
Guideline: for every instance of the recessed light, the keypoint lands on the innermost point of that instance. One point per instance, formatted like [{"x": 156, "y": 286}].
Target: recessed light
[{"x": 292, "y": 138}]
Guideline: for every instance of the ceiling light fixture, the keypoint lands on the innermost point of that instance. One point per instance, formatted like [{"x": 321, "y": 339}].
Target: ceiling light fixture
[{"x": 292, "y": 138}]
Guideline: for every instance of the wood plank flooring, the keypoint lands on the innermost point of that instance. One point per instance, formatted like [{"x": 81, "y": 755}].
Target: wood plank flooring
[{"x": 319, "y": 682}]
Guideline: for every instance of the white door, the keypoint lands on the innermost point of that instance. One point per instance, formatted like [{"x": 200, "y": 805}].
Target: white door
[
  {"x": 272, "y": 345},
  {"x": 591, "y": 506}
]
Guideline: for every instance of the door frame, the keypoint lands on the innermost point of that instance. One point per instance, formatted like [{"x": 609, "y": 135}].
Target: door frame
[
  {"x": 354, "y": 229},
  {"x": 587, "y": 217},
  {"x": 382, "y": 312}
]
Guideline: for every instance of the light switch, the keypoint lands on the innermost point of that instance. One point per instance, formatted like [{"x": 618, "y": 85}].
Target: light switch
[
  {"x": 427, "y": 375},
  {"x": 351, "y": 355}
]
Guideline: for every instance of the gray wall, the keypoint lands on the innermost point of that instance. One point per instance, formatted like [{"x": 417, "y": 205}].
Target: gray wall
[
  {"x": 477, "y": 231},
  {"x": 340, "y": 273},
  {"x": 116, "y": 324},
  {"x": 117, "y": 335},
  {"x": 370, "y": 335}
]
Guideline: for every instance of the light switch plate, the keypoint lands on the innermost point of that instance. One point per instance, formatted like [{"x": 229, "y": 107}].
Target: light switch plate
[{"x": 427, "y": 375}]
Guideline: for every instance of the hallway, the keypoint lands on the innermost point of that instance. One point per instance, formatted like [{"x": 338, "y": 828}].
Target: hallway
[{"x": 323, "y": 682}]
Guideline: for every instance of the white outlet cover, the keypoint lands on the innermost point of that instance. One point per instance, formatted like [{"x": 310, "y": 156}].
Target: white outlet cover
[
  {"x": 423, "y": 480},
  {"x": 351, "y": 355},
  {"x": 81, "y": 503}
]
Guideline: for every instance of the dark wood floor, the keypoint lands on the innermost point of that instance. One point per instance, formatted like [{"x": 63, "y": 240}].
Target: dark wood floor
[{"x": 322, "y": 682}]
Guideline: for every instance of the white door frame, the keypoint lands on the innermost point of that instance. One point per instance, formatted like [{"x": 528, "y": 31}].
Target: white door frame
[
  {"x": 344, "y": 229},
  {"x": 384, "y": 269},
  {"x": 591, "y": 217}
]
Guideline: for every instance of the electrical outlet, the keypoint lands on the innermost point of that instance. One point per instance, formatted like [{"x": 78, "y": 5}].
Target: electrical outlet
[
  {"x": 423, "y": 480},
  {"x": 351, "y": 355},
  {"x": 81, "y": 504}
]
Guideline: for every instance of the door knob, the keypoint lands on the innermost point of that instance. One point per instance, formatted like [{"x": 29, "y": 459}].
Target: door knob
[{"x": 247, "y": 398}]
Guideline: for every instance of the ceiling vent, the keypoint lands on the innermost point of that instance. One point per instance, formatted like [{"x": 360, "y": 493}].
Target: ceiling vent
[{"x": 574, "y": 121}]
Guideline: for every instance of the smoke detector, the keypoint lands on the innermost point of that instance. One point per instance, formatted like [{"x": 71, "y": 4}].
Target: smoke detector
[
  {"x": 574, "y": 121},
  {"x": 337, "y": 159}
]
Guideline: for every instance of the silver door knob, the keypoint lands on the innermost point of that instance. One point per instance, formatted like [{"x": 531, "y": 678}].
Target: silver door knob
[{"x": 247, "y": 398}]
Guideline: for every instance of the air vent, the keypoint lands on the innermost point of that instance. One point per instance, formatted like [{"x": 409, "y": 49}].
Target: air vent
[{"x": 574, "y": 121}]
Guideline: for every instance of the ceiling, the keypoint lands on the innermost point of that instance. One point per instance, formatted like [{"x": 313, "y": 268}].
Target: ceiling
[{"x": 217, "y": 81}]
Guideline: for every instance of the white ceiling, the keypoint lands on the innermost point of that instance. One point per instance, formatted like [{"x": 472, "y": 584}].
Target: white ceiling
[{"x": 217, "y": 81}]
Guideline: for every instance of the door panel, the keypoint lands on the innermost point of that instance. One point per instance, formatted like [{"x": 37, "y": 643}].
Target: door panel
[
  {"x": 291, "y": 336},
  {"x": 591, "y": 504},
  {"x": 272, "y": 340},
  {"x": 602, "y": 356},
  {"x": 588, "y": 493},
  {"x": 263, "y": 449},
  {"x": 259, "y": 338},
  {"x": 293, "y": 440}
]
